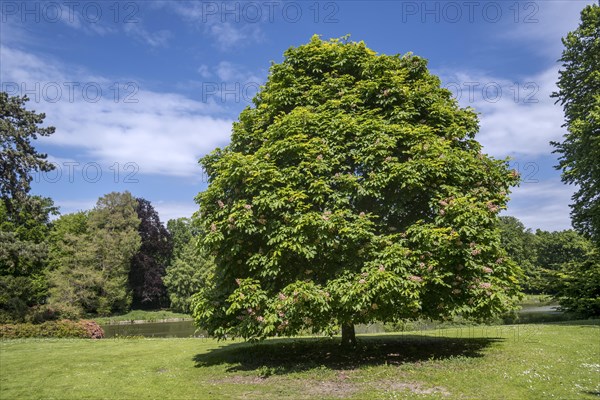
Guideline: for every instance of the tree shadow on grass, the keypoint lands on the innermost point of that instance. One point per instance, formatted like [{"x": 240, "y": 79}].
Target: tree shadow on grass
[{"x": 283, "y": 356}]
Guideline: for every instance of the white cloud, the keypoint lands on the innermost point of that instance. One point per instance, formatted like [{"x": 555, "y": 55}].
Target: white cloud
[
  {"x": 230, "y": 72},
  {"x": 72, "y": 206},
  {"x": 164, "y": 133},
  {"x": 60, "y": 160},
  {"x": 226, "y": 71},
  {"x": 154, "y": 39},
  {"x": 204, "y": 71},
  {"x": 228, "y": 35},
  {"x": 91, "y": 25},
  {"x": 174, "y": 209},
  {"x": 103, "y": 19},
  {"x": 226, "y": 84},
  {"x": 12, "y": 33},
  {"x": 518, "y": 116},
  {"x": 542, "y": 24},
  {"x": 225, "y": 23},
  {"x": 543, "y": 205}
]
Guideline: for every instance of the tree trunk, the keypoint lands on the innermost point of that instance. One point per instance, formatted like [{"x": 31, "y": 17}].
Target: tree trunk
[{"x": 348, "y": 335}]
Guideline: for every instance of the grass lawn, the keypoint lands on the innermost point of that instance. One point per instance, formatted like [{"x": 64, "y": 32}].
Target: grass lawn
[
  {"x": 141, "y": 315},
  {"x": 559, "y": 361}
]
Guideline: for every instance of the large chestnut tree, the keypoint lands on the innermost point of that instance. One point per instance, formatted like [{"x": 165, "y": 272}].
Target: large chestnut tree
[{"x": 353, "y": 191}]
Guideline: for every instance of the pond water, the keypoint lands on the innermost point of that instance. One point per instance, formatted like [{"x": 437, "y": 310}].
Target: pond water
[
  {"x": 183, "y": 329},
  {"x": 540, "y": 314},
  {"x": 153, "y": 329}
]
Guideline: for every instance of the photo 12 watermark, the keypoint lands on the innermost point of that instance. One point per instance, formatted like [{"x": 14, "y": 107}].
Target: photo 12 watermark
[
  {"x": 528, "y": 171},
  {"x": 129, "y": 12},
  {"x": 89, "y": 92},
  {"x": 493, "y": 92},
  {"x": 89, "y": 172},
  {"x": 251, "y": 12},
  {"x": 91, "y": 12},
  {"x": 453, "y": 12},
  {"x": 229, "y": 92}
]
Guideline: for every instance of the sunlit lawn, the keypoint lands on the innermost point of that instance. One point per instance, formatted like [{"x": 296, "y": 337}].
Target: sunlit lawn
[{"x": 506, "y": 362}]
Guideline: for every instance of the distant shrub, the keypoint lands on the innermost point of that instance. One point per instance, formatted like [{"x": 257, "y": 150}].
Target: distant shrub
[
  {"x": 41, "y": 313},
  {"x": 6, "y": 317},
  {"x": 68, "y": 311},
  {"x": 55, "y": 329}
]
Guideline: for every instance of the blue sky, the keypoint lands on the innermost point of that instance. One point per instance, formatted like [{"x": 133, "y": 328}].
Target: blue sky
[{"x": 139, "y": 90}]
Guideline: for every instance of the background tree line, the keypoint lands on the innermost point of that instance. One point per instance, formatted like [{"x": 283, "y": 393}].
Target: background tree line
[
  {"x": 558, "y": 263},
  {"x": 104, "y": 261}
]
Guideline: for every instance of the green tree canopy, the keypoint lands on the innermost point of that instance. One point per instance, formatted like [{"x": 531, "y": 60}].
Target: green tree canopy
[
  {"x": 18, "y": 157},
  {"x": 559, "y": 247},
  {"x": 182, "y": 231},
  {"x": 570, "y": 269},
  {"x": 189, "y": 268},
  {"x": 75, "y": 281},
  {"x": 94, "y": 253},
  {"x": 578, "y": 285},
  {"x": 521, "y": 245},
  {"x": 579, "y": 94},
  {"x": 353, "y": 191},
  {"x": 23, "y": 255}
]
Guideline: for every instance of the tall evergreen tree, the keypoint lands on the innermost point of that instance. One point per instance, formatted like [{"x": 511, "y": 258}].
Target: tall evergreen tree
[
  {"x": 24, "y": 219},
  {"x": 18, "y": 157}
]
